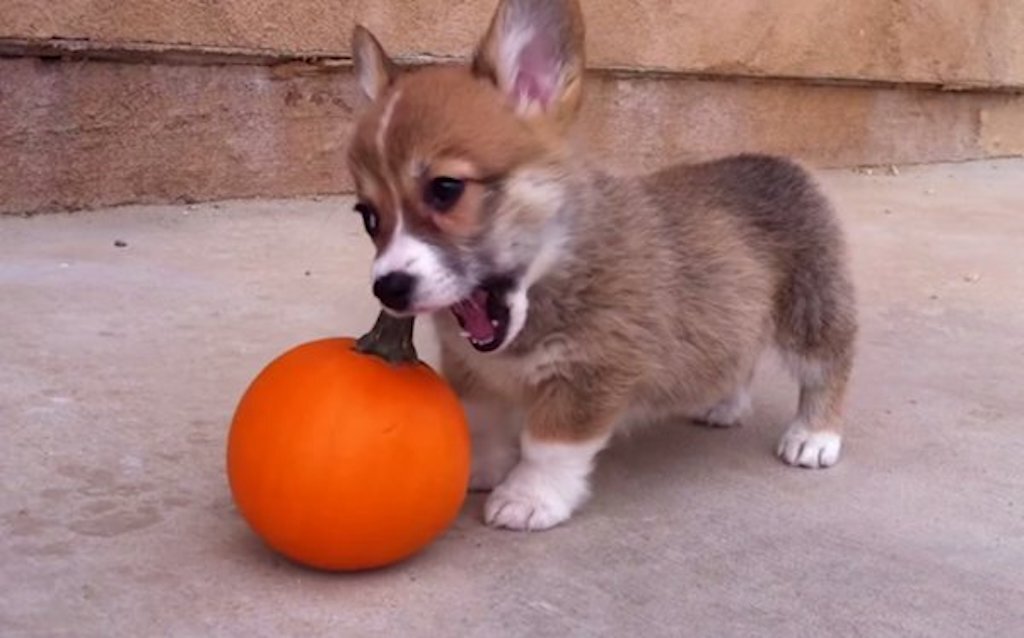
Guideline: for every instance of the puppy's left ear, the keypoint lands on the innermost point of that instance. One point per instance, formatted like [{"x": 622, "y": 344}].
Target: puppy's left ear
[
  {"x": 374, "y": 68},
  {"x": 533, "y": 52}
]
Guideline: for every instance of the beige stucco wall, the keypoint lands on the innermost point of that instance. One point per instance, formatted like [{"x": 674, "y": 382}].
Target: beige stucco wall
[
  {"x": 116, "y": 101},
  {"x": 958, "y": 42},
  {"x": 81, "y": 135}
]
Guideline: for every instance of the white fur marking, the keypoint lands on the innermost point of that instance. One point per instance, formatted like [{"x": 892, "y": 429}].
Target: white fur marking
[
  {"x": 382, "y": 133},
  {"x": 807, "y": 448},
  {"x": 538, "y": 191},
  {"x": 549, "y": 483},
  {"x": 517, "y": 301},
  {"x": 518, "y": 304},
  {"x": 385, "y": 122},
  {"x": 436, "y": 286}
]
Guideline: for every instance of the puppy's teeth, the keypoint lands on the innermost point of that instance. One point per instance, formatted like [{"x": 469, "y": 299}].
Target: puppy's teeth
[
  {"x": 464, "y": 334},
  {"x": 494, "y": 323}
]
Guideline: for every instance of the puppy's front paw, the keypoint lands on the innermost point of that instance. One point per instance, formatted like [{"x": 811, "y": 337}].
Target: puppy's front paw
[
  {"x": 808, "y": 448},
  {"x": 531, "y": 499},
  {"x": 523, "y": 512}
]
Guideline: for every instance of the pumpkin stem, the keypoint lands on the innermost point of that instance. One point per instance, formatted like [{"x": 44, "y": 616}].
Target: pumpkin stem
[{"x": 390, "y": 339}]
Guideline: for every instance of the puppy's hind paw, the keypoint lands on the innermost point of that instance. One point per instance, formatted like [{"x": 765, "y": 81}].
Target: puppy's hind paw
[
  {"x": 728, "y": 412},
  {"x": 808, "y": 448}
]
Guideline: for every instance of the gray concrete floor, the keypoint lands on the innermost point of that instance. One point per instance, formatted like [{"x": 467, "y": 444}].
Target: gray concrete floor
[{"x": 120, "y": 368}]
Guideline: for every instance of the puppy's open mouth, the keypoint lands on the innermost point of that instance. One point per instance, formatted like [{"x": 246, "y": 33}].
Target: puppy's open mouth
[{"x": 484, "y": 315}]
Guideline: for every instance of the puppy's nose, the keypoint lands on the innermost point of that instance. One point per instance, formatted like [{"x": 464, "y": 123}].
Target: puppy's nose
[{"x": 395, "y": 290}]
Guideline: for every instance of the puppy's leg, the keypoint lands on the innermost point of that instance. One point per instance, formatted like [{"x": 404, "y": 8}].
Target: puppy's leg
[
  {"x": 494, "y": 429},
  {"x": 816, "y": 327},
  {"x": 814, "y": 438},
  {"x": 733, "y": 408},
  {"x": 550, "y": 481},
  {"x": 564, "y": 433},
  {"x": 494, "y": 424}
]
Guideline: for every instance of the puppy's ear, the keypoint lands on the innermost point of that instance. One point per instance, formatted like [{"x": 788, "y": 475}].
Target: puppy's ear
[
  {"x": 374, "y": 68},
  {"x": 533, "y": 52}
]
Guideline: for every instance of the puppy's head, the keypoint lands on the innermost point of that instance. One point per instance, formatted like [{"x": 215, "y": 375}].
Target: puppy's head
[{"x": 460, "y": 171}]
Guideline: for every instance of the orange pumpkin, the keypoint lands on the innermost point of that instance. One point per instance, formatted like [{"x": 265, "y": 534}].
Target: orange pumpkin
[{"x": 341, "y": 460}]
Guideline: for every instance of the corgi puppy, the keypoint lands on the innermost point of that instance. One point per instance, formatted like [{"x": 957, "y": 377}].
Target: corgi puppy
[{"x": 568, "y": 302}]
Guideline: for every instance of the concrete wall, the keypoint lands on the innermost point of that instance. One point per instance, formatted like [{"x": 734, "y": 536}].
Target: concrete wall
[
  {"x": 958, "y": 42},
  {"x": 111, "y": 101}
]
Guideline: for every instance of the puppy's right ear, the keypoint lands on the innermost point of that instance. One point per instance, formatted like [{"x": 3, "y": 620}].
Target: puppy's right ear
[
  {"x": 374, "y": 68},
  {"x": 533, "y": 52}
]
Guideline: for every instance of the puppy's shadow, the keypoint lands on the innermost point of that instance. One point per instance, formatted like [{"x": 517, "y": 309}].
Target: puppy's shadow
[{"x": 680, "y": 451}]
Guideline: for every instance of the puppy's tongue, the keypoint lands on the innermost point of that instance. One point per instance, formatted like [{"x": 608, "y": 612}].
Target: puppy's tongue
[{"x": 472, "y": 314}]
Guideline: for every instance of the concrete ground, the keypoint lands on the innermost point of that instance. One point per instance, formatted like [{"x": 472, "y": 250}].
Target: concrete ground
[{"x": 120, "y": 368}]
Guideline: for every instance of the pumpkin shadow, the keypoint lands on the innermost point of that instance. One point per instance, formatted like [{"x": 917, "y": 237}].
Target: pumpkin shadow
[{"x": 244, "y": 547}]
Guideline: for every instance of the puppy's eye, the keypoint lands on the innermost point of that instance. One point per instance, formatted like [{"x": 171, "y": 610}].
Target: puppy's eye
[
  {"x": 371, "y": 220},
  {"x": 442, "y": 193}
]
